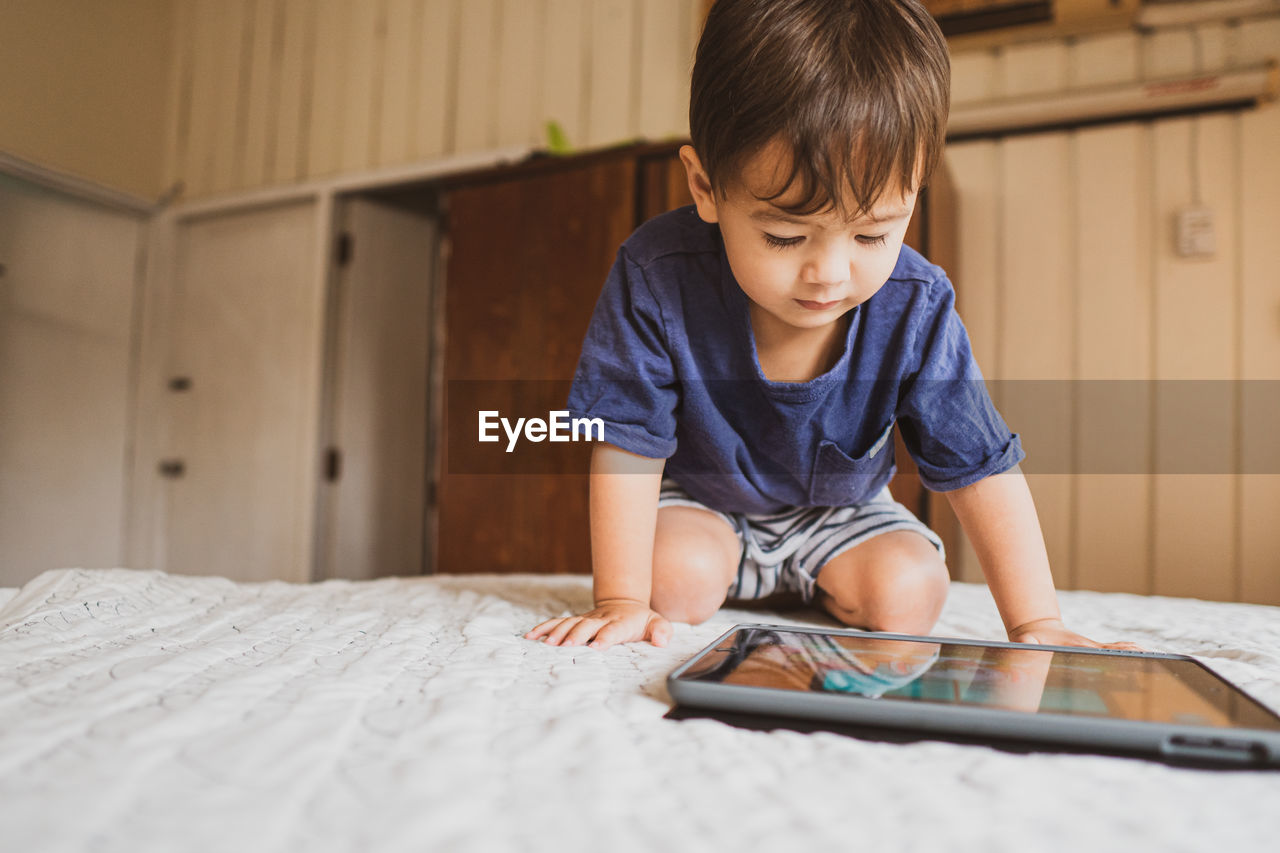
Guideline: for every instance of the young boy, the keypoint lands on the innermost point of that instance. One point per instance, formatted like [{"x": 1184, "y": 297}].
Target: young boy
[{"x": 760, "y": 351}]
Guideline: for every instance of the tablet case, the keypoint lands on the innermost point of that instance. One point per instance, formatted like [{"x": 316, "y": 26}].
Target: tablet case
[{"x": 768, "y": 709}]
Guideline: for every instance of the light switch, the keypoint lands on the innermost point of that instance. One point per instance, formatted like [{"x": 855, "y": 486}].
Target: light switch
[{"x": 1195, "y": 237}]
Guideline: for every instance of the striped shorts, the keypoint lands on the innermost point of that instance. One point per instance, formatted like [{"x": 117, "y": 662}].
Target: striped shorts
[{"x": 783, "y": 552}]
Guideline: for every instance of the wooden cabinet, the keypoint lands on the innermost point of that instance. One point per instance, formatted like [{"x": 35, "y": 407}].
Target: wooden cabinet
[{"x": 529, "y": 250}]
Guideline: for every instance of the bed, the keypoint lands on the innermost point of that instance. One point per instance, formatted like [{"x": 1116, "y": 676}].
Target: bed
[{"x": 148, "y": 711}]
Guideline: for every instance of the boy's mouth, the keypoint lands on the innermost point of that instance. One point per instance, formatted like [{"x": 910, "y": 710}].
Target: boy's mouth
[{"x": 817, "y": 306}]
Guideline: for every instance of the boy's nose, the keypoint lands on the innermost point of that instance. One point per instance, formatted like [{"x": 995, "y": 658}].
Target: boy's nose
[{"x": 827, "y": 268}]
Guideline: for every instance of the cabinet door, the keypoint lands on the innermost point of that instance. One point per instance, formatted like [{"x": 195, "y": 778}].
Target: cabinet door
[
  {"x": 67, "y": 281},
  {"x": 240, "y": 454},
  {"x": 527, "y": 258},
  {"x": 373, "y": 508}
]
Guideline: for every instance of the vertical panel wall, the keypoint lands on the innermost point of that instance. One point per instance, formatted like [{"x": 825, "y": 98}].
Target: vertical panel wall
[
  {"x": 1068, "y": 271},
  {"x": 85, "y": 90},
  {"x": 1067, "y": 276},
  {"x": 271, "y": 92}
]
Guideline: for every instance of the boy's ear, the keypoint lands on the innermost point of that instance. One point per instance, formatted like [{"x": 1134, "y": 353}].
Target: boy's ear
[{"x": 699, "y": 184}]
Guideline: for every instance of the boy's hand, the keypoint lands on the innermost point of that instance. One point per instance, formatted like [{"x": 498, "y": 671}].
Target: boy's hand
[
  {"x": 613, "y": 621},
  {"x": 1051, "y": 632}
]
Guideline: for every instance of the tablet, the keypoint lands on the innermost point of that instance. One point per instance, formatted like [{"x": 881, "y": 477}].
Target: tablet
[{"x": 1166, "y": 706}]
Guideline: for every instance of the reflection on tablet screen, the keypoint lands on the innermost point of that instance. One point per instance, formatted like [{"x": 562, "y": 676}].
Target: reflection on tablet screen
[{"x": 1025, "y": 678}]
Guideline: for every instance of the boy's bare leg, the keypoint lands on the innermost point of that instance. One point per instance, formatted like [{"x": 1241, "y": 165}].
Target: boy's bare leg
[
  {"x": 695, "y": 559},
  {"x": 895, "y": 582}
]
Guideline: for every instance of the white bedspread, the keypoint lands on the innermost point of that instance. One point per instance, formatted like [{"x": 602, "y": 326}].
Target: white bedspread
[{"x": 142, "y": 711}]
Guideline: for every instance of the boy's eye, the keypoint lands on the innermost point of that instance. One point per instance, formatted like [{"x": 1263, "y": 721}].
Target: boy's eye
[
  {"x": 780, "y": 242},
  {"x": 784, "y": 242}
]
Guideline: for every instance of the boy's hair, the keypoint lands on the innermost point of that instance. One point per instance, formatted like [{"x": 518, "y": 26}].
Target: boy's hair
[{"x": 858, "y": 91}]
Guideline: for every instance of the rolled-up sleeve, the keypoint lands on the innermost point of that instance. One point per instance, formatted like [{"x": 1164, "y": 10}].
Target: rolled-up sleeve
[
  {"x": 625, "y": 375},
  {"x": 949, "y": 423}
]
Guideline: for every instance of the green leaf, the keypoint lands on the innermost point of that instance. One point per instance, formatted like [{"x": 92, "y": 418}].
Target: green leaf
[{"x": 557, "y": 142}]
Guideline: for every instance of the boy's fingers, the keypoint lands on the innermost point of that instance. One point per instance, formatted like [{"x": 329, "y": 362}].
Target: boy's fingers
[
  {"x": 610, "y": 635},
  {"x": 566, "y": 625},
  {"x": 659, "y": 631},
  {"x": 543, "y": 628},
  {"x": 583, "y": 631}
]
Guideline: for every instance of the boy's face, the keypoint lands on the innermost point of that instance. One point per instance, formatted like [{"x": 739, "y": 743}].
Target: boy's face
[{"x": 804, "y": 271}]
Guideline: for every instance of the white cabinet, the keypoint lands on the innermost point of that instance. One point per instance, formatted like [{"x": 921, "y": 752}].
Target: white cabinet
[
  {"x": 67, "y": 302},
  {"x": 283, "y": 421}
]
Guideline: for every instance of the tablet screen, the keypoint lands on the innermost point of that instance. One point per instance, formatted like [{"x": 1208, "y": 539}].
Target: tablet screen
[{"x": 1025, "y": 678}]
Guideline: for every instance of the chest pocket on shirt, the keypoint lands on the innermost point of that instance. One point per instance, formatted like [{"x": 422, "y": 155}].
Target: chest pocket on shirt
[{"x": 839, "y": 479}]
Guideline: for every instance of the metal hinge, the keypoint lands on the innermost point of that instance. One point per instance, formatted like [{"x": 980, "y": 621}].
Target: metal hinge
[
  {"x": 343, "y": 248},
  {"x": 172, "y": 468},
  {"x": 332, "y": 464}
]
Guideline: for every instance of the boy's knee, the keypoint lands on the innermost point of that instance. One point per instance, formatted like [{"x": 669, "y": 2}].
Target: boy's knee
[
  {"x": 915, "y": 600},
  {"x": 688, "y": 587},
  {"x": 694, "y": 557},
  {"x": 692, "y": 612},
  {"x": 688, "y": 584},
  {"x": 902, "y": 592}
]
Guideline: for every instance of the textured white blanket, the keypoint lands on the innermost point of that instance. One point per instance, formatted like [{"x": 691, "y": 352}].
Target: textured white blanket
[{"x": 143, "y": 711}]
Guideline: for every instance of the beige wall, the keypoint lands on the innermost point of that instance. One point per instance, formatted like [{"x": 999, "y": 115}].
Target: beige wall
[
  {"x": 83, "y": 87},
  {"x": 1067, "y": 271},
  {"x": 273, "y": 92}
]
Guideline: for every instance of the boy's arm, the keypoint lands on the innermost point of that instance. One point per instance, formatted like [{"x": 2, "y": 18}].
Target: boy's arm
[
  {"x": 1000, "y": 520},
  {"x": 624, "y": 514}
]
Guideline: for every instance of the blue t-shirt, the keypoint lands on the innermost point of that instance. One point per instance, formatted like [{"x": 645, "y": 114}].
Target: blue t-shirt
[{"x": 669, "y": 365}]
